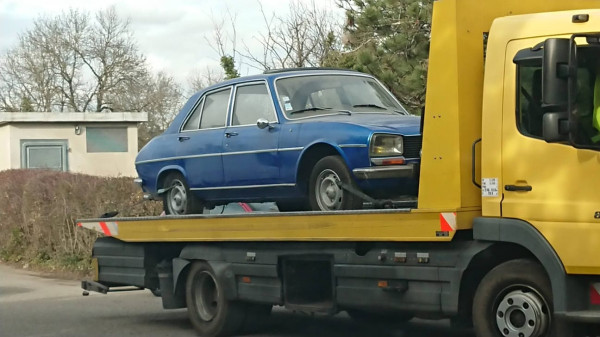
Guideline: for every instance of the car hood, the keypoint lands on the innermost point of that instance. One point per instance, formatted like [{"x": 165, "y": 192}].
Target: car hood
[{"x": 380, "y": 122}]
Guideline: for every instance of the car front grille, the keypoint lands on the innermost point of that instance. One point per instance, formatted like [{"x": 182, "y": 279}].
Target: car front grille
[{"x": 412, "y": 146}]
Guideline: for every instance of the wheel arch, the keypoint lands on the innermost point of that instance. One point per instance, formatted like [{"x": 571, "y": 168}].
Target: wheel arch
[
  {"x": 213, "y": 257},
  {"x": 310, "y": 156},
  {"x": 527, "y": 242},
  {"x": 165, "y": 171},
  {"x": 480, "y": 265}
]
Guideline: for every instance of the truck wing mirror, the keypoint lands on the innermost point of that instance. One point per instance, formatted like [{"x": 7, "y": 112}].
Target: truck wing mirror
[
  {"x": 555, "y": 127},
  {"x": 555, "y": 74}
]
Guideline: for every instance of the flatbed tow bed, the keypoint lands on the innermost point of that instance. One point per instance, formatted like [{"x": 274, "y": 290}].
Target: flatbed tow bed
[
  {"x": 505, "y": 236},
  {"x": 363, "y": 225}
]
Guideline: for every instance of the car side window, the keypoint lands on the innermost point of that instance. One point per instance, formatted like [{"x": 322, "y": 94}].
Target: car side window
[
  {"x": 251, "y": 103},
  {"x": 214, "y": 110},
  {"x": 194, "y": 120}
]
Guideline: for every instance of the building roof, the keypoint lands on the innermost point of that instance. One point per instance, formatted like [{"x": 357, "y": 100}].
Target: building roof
[{"x": 72, "y": 117}]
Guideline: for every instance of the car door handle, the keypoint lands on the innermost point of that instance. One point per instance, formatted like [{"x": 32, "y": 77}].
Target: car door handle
[
  {"x": 230, "y": 134},
  {"x": 524, "y": 188},
  {"x": 183, "y": 138}
]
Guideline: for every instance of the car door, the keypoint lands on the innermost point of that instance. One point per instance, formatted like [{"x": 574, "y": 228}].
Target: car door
[
  {"x": 201, "y": 140},
  {"x": 250, "y": 156}
]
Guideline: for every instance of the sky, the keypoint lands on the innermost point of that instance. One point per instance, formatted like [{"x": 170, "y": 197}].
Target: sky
[{"x": 171, "y": 34}]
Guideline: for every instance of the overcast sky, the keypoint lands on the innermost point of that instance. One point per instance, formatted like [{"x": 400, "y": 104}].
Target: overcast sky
[{"x": 170, "y": 33}]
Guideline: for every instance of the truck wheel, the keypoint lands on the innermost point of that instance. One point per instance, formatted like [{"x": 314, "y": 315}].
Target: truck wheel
[
  {"x": 324, "y": 194},
  {"x": 515, "y": 299},
  {"x": 210, "y": 312},
  {"x": 179, "y": 200}
]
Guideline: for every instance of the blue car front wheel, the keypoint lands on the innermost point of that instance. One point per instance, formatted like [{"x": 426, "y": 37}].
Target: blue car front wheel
[{"x": 325, "y": 192}]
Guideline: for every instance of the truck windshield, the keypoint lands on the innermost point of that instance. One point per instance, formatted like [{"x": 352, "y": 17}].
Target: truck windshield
[{"x": 317, "y": 95}]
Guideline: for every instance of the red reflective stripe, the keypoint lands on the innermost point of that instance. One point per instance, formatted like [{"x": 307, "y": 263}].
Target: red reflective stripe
[
  {"x": 594, "y": 294},
  {"x": 444, "y": 225},
  {"x": 105, "y": 229},
  {"x": 79, "y": 224},
  {"x": 245, "y": 206}
]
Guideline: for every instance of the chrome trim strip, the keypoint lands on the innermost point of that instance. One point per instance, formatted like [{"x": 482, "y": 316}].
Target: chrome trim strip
[
  {"x": 353, "y": 145},
  {"x": 240, "y": 187},
  {"x": 176, "y": 158},
  {"x": 290, "y": 149},
  {"x": 383, "y": 172},
  {"x": 217, "y": 154},
  {"x": 248, "y": 152}
]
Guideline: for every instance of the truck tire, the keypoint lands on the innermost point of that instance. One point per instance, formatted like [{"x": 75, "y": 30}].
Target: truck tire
[
  {"x": 515, "y": 299},
  {"x": 179, "y": 200},
  {"x": 323, "y": 192},
  {"x": 211, "y": 314}
]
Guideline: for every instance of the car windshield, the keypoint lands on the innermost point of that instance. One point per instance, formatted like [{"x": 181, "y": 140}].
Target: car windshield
[{"x": 316, "y": 95}]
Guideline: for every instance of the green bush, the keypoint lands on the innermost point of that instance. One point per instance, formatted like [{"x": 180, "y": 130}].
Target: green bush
[{"x": 38, "y": 210}]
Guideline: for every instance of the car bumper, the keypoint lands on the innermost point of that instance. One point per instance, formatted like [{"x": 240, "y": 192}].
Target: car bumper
[
  {"x": 140, "y": 183},
  {"x": 386, "y": 172}
]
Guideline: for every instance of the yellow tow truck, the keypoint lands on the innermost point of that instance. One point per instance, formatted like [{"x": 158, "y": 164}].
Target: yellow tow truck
[{"x": 506, "y": 232}]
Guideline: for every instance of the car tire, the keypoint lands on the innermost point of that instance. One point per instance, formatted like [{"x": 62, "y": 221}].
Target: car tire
[
  {"x": 516, "y": 298},
  {"x": 323, "y": 192},
  {"x": 209, "y": 311},
  {"x": 178, "y": 199}
]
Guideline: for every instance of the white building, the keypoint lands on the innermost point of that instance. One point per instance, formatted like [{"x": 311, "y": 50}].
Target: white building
[{"x": 101, "y": 144}]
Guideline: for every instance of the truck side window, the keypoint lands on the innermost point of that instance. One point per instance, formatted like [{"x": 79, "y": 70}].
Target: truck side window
[{"x": 529, "y": 96}]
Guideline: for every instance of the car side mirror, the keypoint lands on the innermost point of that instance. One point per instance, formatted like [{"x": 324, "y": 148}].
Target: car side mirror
[
  {"x": 263, "y": 123},
  {"x": 555, "y": 127}
]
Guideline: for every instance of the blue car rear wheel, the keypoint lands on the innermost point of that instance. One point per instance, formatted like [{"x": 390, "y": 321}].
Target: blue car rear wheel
[{"x": 178, "y": 199}]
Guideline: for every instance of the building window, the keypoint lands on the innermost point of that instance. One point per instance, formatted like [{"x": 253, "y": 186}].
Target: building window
[
  {"x": 106, "y": 139},
  {"x": 44, "y": 154}
]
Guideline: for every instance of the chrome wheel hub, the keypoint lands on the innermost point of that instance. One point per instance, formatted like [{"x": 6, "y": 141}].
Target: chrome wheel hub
[
  {"x": 177, "y": 198},
  {"x": 522, "y": 314},
  {"x": 329, "y": 194}
]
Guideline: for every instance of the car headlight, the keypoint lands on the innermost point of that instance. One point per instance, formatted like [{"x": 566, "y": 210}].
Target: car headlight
[{"x": 386, "y": 146}]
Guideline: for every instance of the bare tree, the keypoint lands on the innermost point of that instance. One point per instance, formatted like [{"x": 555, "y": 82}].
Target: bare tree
[
  {"x": 71, "y": 62},
  {"x": 202, "y": 79},
  {"x": 303, "y": 38}
]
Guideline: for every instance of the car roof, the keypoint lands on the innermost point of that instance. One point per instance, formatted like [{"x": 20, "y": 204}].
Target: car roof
[{"x": 276, "y": 73}]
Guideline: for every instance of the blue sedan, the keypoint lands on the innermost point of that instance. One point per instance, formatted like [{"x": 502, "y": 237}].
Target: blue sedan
[{"x": 307, "y": 139}]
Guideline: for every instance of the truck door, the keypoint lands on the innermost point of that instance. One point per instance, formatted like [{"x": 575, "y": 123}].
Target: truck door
[{"x": 553, "y": 186}]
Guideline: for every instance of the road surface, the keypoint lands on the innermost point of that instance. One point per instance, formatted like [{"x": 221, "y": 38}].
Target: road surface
[{"x": 36, "y": 306}]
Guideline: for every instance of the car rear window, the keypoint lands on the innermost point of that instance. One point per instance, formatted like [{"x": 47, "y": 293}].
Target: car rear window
[{"x": 214, "y": 111}]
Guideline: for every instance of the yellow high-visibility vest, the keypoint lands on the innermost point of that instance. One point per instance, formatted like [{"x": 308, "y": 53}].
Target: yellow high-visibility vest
[{"x": 596, "y": 113}]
